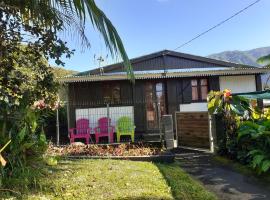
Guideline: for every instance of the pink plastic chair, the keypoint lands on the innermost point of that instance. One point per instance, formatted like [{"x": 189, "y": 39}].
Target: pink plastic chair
[
  {"x": 82, "y": 130},
  {"x": 104, "y": 129}
]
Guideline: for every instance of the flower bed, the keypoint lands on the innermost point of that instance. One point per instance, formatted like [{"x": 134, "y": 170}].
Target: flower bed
[
  {"x": 138, "y": 152},
  {"x": 104, "y": 150}
]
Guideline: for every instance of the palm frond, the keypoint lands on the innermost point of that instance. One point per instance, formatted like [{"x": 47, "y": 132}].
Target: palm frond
[{"x": 264, "y": 60}]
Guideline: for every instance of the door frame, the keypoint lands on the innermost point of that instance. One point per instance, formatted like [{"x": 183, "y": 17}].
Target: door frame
[{"x": 156, "y": 104}]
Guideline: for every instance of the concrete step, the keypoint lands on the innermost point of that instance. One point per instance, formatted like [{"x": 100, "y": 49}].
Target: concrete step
[{"x": 153, "y": 137}]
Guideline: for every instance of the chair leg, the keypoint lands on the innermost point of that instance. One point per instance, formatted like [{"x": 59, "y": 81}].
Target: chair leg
[
  {"x": 132, "y": 137},
  {"x": 71, "y": 140},
  {"x": 111, "y": 138},
  {"x": 118, "y": 137},
  {"x": 87, "y": 140},
  {"x": 97, "y": 139}
]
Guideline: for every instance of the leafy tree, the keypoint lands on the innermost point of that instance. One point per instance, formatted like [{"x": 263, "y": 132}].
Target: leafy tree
[
  {"x": 25, "y": 77},
  {"x": 71, "y": 15}
]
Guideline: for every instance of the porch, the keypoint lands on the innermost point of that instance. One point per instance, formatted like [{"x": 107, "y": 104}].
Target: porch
[{"x": 110, "y": 123}]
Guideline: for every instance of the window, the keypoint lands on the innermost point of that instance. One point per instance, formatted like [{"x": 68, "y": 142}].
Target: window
[
  {"x": 111, "y": 93},
  {"x": 199, "y": 89}
]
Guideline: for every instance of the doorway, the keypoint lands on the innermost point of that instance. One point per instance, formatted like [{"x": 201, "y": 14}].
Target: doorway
[{"x": 155, "y": 104}]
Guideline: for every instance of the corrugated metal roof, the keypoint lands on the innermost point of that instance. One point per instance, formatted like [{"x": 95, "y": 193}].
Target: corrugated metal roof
[
  {"x": 166, "y": 59},
  {"x": 170, "y": 73}
]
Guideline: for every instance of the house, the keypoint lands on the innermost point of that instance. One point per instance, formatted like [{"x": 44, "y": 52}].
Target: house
[{"x": 166, "y": 82}]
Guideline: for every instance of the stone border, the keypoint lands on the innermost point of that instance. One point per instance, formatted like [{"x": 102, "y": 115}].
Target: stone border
[{"x": 167, "y": 158}]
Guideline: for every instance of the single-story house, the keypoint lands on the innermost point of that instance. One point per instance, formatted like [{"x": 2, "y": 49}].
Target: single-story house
[{"x": 166, "y": 82}]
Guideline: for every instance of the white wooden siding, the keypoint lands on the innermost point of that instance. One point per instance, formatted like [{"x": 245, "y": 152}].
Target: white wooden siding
[{"x": 238, "y": 84}]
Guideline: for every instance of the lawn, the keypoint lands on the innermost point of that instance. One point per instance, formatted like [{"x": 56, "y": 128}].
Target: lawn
[{"x": 117, "y": 179}]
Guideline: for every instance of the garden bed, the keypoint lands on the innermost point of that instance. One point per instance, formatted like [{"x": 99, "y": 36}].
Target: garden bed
[{"x": 136, "y": 152}]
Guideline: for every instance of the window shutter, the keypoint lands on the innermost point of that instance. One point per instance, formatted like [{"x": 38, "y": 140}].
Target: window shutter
[
  {"x": 186, "y": 91},
  {"x": 214, "y": 83}
]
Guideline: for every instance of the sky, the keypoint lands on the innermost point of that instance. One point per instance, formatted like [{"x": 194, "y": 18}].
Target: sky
[{"x": 147, "y": 26}]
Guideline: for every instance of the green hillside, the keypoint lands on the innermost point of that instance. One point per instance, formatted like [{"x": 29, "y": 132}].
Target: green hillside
[{"x": 243, "y": 57}]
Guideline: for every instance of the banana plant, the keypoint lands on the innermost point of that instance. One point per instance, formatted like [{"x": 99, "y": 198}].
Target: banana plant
[
  {"x": 223, "y": 102},
  {"x": 232, "y": 109}
]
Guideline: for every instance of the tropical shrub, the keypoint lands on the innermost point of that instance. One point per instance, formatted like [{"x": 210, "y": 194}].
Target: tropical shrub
[
  {"x": 231, "y": 109},
  {"x": 26, "y": 150},
  {"x": 254, "y": 144},
  {"x": 246, "y": 127}
]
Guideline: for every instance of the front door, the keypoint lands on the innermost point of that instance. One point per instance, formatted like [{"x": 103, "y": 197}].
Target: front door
[{"x": 155, "y": 104}]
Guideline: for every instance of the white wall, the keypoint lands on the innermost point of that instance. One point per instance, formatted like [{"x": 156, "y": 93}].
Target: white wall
[
  {"x": 238, "y": 84},
  {"x": 193, "y": 107},
  {"x": 93, "y": 114}
]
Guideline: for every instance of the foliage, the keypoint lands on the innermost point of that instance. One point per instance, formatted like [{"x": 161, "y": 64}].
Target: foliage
[
  {"x": 230, "y": 108},
  {"x": 71, "y": 16},
  {"x": 29, "y": 37},
  {"x": 254, "y": 144},
  {"x": 26, "y": 149},
  {"x": 224, "y": 102},
  {"x": 264, "y": 60},
  {"x": 25, "y": 78}
]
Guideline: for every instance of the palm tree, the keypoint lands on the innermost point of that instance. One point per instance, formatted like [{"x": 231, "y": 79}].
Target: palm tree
[
  {"x": 264, "y": 60},
  {"x": 72, "y": 15}
]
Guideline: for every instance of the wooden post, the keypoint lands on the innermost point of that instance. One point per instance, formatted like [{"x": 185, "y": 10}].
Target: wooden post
[
  {"x": 57, "y": 127},
  {"x": 212, "y": 133}
]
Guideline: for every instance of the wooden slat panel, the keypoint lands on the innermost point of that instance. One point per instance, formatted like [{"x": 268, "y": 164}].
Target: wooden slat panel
[{"x": 193, "y": 129}]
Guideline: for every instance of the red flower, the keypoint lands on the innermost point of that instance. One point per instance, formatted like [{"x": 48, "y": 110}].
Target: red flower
[{"x": 227, "y": 93}]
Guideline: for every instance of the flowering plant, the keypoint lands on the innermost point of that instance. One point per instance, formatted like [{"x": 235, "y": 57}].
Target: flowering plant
[{"x": 40, "y": 105}]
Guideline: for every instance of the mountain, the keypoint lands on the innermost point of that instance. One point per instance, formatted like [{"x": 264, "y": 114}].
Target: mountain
[{"x": 243, "y": 57}]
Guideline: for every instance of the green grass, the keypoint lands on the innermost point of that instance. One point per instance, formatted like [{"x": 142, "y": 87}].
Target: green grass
[
  {"x": 182, "y": 185},
  {"x": 117, "y": 179}
]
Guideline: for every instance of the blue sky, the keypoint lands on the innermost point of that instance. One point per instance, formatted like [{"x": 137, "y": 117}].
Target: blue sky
[{"x": 146, "y": 26}]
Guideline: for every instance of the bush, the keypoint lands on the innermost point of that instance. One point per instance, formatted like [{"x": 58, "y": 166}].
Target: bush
[
  {"x": 254, "y": 144},
  {"x": 25, "y": 152}
]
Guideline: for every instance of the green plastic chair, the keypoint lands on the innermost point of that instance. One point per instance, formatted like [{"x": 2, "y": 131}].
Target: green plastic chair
[{"x": 125, "y": 126}]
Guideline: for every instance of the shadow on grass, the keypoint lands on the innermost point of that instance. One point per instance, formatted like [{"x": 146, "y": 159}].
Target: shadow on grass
[{"x": 182, "y": 185}]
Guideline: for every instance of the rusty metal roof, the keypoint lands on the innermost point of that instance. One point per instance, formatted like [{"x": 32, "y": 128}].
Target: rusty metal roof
[{"x": 169, "y": 73}]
